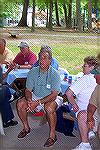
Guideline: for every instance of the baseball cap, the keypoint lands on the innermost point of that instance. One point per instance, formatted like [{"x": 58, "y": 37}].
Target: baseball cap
[
  {"x": 23, "y": 45},
  {"x": 45, "y": 47}
]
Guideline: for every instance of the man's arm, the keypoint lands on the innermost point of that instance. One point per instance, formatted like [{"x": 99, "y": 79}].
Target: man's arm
[
  {"x": 33, "y": 104},
  {"x": 90, "y": 112},
  {"x": 26, "y": 66},
  {"x": 49, "y": 98}
]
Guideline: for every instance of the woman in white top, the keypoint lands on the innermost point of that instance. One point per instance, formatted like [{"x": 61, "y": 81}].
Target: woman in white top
[{"x": 83, "y": 89}]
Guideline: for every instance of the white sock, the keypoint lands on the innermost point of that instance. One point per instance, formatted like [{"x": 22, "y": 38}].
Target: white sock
[{"x": 86, "y": 144}]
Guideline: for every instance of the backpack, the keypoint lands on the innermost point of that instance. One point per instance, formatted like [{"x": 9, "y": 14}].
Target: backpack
[{"x": 63, "y": 124}]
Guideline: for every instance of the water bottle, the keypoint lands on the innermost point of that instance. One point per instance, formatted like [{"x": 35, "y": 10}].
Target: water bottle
[
  {"x": 16, "y": 68},
  {"x": 3, "y": 66},
  {"x": 65, "y": 76},
  {"x": 69, "y": 79}
]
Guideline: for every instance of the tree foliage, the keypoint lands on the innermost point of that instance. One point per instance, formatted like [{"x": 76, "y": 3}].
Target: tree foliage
[{"x": 65, "y": 10}]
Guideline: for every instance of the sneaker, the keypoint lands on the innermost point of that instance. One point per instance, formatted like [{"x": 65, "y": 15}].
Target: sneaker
[
  {"x": 10, "y": 123},
  {"x": 91, "y": 134},
  {"x": 82, "y": 146},
  {"x": 17, "y": 95}
]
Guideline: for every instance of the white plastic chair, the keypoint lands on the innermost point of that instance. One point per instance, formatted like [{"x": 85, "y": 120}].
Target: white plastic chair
[{"x": 1, "y": 125}]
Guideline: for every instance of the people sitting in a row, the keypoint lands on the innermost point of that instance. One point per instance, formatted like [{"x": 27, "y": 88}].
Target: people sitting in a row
[
  {"x": 5, "y": 108},
  {"x": 25, "y": 59},
  {"x": 42, "y": 89}
]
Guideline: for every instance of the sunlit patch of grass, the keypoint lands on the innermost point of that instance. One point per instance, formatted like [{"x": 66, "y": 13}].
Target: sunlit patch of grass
[{"x": 68, "y": 50}]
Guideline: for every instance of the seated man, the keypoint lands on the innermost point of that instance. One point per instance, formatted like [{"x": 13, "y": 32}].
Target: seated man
[
  {"x": 94, "y": 104},
  {"x": 42, "y": 88},
  {"x": 5, "y": 108},
  {"x": 54, "y": 62},
  {"x": 83, "y": 89},
  {"x": 23, "y": 60},
  {"x": 6, "y": 55}
]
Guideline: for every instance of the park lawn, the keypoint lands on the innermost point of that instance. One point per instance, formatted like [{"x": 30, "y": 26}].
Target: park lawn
[
  {"x": 69, "y": 57},
  {"x": 68, "y": 48}
]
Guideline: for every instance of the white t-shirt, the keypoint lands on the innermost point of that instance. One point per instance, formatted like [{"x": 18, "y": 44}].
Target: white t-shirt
[{"x": 83, "y": 89}]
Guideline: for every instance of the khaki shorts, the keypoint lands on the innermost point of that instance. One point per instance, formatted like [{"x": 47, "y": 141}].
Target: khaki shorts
[{"x": 58, "y": 100}]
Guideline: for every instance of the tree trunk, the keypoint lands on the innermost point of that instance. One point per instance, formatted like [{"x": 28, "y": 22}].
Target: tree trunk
[
  {"x": 70, "y": 14},
  {"x": 95, "y": 7},
  {"x": 50, "y": 15},
  {"x": 65, "y": 12},
  {"x": 78, "y": 15},
  {"x": 23, "y": 21},
  {"x": 47, "y": 20},
  {"x": 33, "y": 16},
  {"x": 57, "y": 15},
  {"x": 89, "y": 15}
]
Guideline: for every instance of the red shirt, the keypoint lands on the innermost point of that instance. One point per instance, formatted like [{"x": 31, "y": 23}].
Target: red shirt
[{"x": 30, "y": 58}]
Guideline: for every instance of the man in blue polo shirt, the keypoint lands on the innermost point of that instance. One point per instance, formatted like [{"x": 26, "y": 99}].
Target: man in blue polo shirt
[{"x": 42, "y": 88}]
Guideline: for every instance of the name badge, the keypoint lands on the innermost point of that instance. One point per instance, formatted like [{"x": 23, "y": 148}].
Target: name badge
[{"x": 48, "y": 86}]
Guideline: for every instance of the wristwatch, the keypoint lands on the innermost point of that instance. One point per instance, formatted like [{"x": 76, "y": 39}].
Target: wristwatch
[{"x": 18, "y": 66}]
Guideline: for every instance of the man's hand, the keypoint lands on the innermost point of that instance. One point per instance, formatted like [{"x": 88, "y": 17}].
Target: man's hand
[
  {"x": 12, "y": 66},
  {"x": 32, "y": 105}
]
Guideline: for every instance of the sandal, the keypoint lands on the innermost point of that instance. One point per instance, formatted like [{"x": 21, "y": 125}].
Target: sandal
[
  {"x": 50, "y": 142},
  {"x": 23, "y": 133}
]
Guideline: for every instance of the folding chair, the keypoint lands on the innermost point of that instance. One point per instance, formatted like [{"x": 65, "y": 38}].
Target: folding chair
[{"x": 1, "y": 125}]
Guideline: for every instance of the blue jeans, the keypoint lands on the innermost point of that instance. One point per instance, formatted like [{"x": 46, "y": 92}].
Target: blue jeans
[{"x": 5, "y": 108}]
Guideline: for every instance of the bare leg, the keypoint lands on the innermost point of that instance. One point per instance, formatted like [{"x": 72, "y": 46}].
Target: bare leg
[
  {"x": 82, "y": 123},
  {"x": 51, "y": 117},
  {"x": 22, "y": 113},
  {"x": 43, "y": 120}
]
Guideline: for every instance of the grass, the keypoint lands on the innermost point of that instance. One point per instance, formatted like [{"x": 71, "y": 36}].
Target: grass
[{"x": 68, "y": 48}]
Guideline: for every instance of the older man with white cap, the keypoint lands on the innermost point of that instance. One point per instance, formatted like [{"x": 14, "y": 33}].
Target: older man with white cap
[{"x": 25, "y": 58}]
